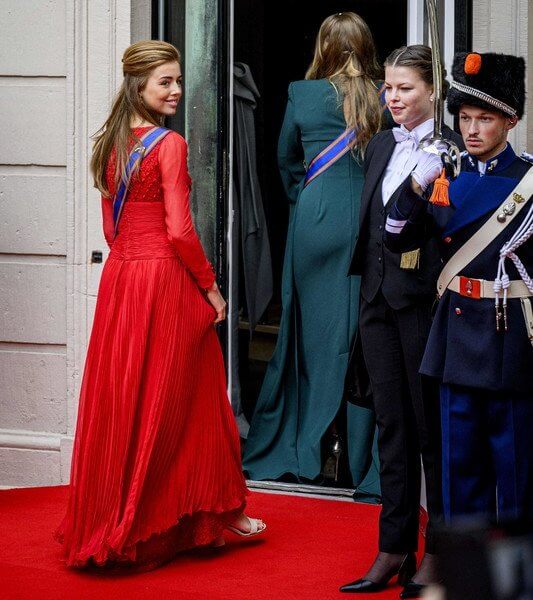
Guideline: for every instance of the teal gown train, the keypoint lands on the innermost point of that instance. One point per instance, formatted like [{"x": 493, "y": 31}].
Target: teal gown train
[{"x": 303, "y": 387}]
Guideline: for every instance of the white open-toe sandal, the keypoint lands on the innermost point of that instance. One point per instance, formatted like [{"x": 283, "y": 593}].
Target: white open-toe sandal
[{"x": 256, "y": 527}]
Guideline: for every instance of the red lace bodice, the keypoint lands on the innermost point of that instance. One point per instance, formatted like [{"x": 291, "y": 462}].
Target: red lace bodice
[
  {"x": 146, "y": 187},
  {"x": 156, "y": 220}
]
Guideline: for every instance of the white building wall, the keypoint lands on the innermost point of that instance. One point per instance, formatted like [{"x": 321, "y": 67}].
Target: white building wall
[
  {"x": 59, "y": 68},
  {"x": 507, "y": 26},
  {"x": 33, "y": 244}
]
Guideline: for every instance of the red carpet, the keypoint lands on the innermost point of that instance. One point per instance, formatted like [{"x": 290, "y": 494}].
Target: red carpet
[{"x": 310, "y": 548}]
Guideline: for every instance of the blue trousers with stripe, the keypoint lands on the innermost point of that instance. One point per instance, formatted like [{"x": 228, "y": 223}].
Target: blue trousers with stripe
[{"x": 487, "y": 453}]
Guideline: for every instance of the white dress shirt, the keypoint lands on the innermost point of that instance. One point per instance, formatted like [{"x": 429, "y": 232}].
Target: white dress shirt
[{"x": 404, "y": 158}]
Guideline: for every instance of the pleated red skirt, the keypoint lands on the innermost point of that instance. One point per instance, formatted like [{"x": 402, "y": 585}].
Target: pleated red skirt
[{"x": 156, "y": 462}]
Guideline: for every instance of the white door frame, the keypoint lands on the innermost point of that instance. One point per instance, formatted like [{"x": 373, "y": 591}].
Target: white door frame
[
  {"x": 230, "y": 212},
  {"x": 415, "y": 22},
  {"x": 416, "y": 33}
]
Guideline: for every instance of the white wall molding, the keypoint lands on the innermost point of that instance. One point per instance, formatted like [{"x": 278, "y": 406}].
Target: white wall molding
[
  {"x": 29, "y": 440},
  {"x": 141, "y": 20},
  {"x": 29, "y": 348},
  {"x": 77, "y": 20},
  {"x": 503, "y": 26},
  {"x": 32, "y": 459},
  {"x": 98, "y": 34}
]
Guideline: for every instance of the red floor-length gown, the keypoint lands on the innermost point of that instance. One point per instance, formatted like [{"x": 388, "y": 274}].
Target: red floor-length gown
[{"x": 156, "y": 463}]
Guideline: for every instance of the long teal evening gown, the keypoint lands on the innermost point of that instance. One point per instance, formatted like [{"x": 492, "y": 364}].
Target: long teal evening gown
[{"x": 303, "y": 387}]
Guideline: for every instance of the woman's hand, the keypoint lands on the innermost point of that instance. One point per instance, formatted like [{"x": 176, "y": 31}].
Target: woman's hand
[
  {"x": 428, "y": 168},
  {"x": 216, "y": 300}
]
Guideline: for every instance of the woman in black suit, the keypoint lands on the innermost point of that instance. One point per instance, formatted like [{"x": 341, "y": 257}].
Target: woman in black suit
[{"x": 397, "y": 293}]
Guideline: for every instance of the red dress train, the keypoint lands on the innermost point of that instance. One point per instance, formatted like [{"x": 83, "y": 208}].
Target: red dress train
[{"x": 156, "y": 463}]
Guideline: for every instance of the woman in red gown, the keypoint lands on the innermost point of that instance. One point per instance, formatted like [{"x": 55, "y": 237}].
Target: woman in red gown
[{"x": 156, "y": 464}]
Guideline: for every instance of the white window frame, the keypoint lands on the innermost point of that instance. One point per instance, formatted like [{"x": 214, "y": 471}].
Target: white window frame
[{"x": 416, "y": 33}]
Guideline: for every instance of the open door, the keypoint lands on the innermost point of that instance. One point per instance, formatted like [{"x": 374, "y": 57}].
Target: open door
[{"x": 276, "y": 42}]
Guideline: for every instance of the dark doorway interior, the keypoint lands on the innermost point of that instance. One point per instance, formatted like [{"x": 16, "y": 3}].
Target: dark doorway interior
[
  {"x": 278, "y": 46},
  {"x": 277, "y": 41}
]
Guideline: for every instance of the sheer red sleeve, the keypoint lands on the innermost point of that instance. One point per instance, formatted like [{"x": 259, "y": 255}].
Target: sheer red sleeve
[
  {"x": 107, "y": 219},
  {"x": 176, "y": 184}
]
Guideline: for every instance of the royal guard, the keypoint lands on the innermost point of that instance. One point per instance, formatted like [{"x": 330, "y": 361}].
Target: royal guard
[{"x": 480, "y": 345}]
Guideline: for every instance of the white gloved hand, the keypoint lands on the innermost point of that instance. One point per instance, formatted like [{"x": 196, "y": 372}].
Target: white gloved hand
[{"x": 428, "y": 168}]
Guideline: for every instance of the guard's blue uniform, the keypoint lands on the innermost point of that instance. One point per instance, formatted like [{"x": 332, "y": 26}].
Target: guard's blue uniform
[{"x": 486, "y": 375}]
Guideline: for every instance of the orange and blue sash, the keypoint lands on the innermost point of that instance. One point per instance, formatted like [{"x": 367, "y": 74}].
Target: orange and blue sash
[
  {"x": 146, "y": 144},
  {"x": 330, "y": 155},
  {"x": 337, "y": 149}
]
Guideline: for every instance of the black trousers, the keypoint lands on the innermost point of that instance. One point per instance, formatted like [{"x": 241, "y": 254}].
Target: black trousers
[{"x": 408, "y": 420}]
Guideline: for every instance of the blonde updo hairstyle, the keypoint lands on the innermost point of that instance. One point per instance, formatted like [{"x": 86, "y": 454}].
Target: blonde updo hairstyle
[
  {"x": 139, "y": 61},
  {"x": 346, "y": 55}
]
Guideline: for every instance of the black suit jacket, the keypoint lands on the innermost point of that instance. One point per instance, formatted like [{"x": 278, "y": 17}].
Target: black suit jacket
[
  {"x": 409, "y": 285},
  {"x": 400, "y": 286}
]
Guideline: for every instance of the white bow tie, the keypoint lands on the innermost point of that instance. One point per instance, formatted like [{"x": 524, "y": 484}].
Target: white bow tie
[{"x": 402, "y": 135}]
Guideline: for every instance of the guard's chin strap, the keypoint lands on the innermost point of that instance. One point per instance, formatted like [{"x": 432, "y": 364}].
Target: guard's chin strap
[{"x": 502, "y": 282}]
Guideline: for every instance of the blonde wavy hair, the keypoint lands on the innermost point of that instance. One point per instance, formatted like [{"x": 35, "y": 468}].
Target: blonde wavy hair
[
  {"x": 139, "y": 61},
  {"x": 345, "y": 54}
]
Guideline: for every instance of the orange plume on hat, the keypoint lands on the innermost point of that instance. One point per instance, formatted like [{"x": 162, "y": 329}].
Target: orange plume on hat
[{"x": 473, "y": 64}]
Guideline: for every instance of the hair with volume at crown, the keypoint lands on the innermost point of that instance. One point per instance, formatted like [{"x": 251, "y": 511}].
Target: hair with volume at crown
[
  {"x": 417, "y": 57},
  {"x": 346, "y": 55},
  {"x": 139, "y": 60}
]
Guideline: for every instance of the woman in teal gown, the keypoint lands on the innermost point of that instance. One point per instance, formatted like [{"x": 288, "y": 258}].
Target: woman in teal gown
[{"x": 302, "y": 392}]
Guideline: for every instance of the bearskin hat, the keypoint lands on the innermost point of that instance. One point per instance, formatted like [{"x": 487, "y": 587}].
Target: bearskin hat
[{"x": 491, "y": 81}]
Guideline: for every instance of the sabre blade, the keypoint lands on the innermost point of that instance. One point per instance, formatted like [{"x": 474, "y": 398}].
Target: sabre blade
[
  {"x": 436, "y": 64},
  {"x": 437, "y": 144}
]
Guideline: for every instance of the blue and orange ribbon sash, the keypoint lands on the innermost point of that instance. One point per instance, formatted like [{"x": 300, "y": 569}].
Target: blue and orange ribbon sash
[
  {"x": 141, "y": 150},
  {"x": 337, "y": 149},
  {"x": 330, "y": 155}
]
